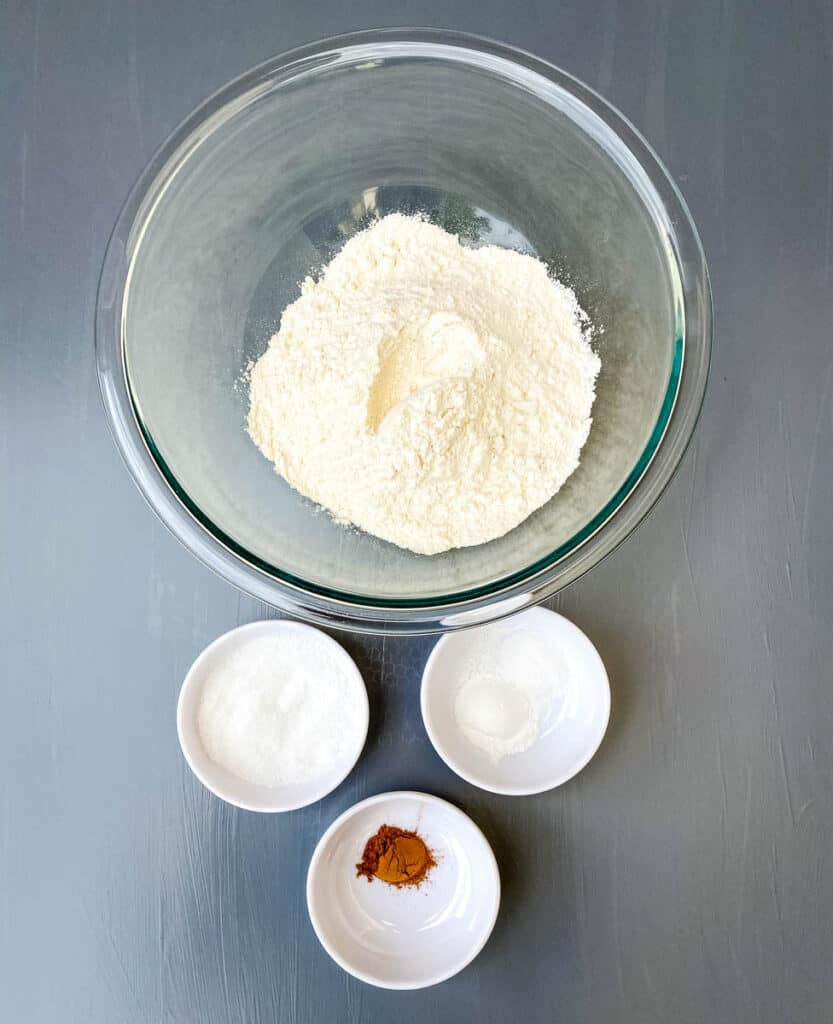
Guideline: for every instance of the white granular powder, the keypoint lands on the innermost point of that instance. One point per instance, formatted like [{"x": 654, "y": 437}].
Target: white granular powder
[
  {"x": 506, "y": 692},
  {"x": 431, "y": 394},
  {"x": 280, "y": 710}
]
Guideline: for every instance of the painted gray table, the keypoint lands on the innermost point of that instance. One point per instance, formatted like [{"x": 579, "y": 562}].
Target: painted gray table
[{"x": 686, "y": 874}]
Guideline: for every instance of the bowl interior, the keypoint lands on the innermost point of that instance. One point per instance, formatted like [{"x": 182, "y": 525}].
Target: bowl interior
[
  {"x": 268, "y": 190},
  {"x": 406, "y": 937}
]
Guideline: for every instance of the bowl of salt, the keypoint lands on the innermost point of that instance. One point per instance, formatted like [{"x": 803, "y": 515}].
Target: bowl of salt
[{"x": 518, "y": 706}]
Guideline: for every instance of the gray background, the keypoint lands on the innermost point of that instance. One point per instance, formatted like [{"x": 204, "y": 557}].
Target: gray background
[{"x": 686, "y": 874}]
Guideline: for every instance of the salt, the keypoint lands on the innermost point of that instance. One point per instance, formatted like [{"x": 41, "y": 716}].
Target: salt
[
  {"x": 506, "y": 693},
  {"x": 280, "y": 710}
]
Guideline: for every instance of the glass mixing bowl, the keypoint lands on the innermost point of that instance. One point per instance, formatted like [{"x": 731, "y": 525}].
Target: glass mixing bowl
[{"x": 263, "y": 184}]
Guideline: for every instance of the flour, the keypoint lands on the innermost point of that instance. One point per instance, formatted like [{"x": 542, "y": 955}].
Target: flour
[{"x": 430, "y": 394}]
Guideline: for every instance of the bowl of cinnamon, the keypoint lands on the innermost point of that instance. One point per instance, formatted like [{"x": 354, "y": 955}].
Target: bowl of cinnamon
[{"x": 403, "y": 890}]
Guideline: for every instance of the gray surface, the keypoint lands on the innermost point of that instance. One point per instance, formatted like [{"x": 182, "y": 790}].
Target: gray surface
[{"x": 686, "y": 874}]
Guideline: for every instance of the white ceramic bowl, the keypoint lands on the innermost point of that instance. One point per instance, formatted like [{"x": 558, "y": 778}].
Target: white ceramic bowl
[
  {"x": 404, "y": 938},
  {"x": 221, "y": 782},
  {"x": 569, "y": 736}
]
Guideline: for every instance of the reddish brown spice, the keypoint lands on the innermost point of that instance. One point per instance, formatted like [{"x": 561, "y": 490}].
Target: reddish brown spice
[{"x": 396, "y": 856}]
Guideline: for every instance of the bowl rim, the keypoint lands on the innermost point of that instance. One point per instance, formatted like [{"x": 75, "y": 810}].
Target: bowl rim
[
  {"x": 624, "y": 511},
  {"x": 315, "y": 866}
]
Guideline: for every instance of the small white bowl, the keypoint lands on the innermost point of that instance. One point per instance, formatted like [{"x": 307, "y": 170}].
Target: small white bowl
[
  {"x": 569, "y": 736},
  {"x": 221, "y": 782},
  {"x": 410, "y": 937}
]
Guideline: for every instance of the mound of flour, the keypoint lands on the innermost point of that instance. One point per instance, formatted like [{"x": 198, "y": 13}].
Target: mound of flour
[{"x": 431, "y": 394}]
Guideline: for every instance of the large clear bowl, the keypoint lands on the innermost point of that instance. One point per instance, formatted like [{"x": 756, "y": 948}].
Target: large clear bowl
[{"x": 263, "y": 184}]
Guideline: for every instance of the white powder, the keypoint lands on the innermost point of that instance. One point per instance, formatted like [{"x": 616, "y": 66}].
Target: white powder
[
  {"x": 277, "y": 711},
  {"x": 506, "y": 692},
  {"x": 430, "y": 394}
]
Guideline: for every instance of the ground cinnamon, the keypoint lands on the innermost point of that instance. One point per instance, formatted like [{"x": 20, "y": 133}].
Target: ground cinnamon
[{"x": 396, "y": 856}]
